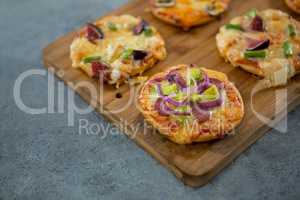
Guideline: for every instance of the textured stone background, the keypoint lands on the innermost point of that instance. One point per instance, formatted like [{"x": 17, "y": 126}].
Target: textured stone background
[{"x": 42, "y": 158}]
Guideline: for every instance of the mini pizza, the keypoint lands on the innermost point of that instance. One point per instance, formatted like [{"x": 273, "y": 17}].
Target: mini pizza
[
  {"x": 294, "y": 5},
  {"x": 188, "y": 13},
  {"x": 265, "y": 43},
  {"x": 117, "y": 48},
  {"x": 190, "y": 104}
]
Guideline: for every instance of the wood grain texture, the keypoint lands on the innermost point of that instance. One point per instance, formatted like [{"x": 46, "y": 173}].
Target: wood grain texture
[{"x": 194, "y": 164}]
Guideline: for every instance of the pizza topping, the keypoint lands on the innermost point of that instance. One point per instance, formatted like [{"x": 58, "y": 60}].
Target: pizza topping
[
  {"x": 252, "y": 13},
  {"x": 201, "y": 115},
  {"x": 148, "y": 32},
  {"x": 234, "y": 27},
  {"x": 157, "y": 80},
  {"x": 209, "y": 94},
  {"x": 163, "y": 109},
  {"x": 291, "y": 30},
  {"x": 112, "y": 26},
  {"x": 139, "y": 54},
  {"x": 257, "y": 44},
  {"x": 140, "y": 27},
  {"x": 203, "y": 85},
  {"x": 211, "y": 99},
  {"x": 174, "y": 77},
  {"x": 288, "y": 49},
  {"x": 255, "y": 54},
  {"x": 180, "y": 96},
  {"x": 176, "y": 103},
  {"x": 93, "y": 32},
  {"x": 218, "y": 83},
  {"x": 165, "y": 3},
  {"x": 90, "y": 59},
  {"x": 196, "y": 100},
  {"x": 127, "y": 53},
  {"x": 195, "y": 75},
  {"x": 159, "y": 107},
  {"x": 100, "y": 69},
  {"x": 257, "y": 24},
  {"x": 168, "y": 89},
  {"x": 135, "y": 54}
]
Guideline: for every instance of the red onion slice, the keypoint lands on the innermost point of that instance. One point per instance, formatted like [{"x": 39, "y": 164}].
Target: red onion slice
[
  {"x": 93, "y": 32},
  {"x": 257, "y": 24},
  {"x": 169, "y": 99},
  {"x": 174, "y": 77},
  {"x": 159, "y": 90},
  {"x": 210, "y": 104},
  {"x": 140, "y": 27},
  {"x": 139, "y": 54},
  {"x": 156, "y": 80},
  {"x": 100, "y": 69},
  {"x": 217, "y": 82},
  {"x": 199, "y": 114},
  {"x": 257, "y": 44},
  {"x": 203, "y": 85},
  {"x": 176, "y": 103},
  {"x": 174, "y": 112},
  {"x": 163, "y": 109},
  {"x": 159, "y": 107}
]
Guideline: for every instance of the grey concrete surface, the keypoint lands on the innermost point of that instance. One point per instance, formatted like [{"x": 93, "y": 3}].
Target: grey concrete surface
[{"x": 42, "y": 158}]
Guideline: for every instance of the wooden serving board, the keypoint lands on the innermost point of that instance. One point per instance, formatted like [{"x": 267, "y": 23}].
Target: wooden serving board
[{"x": 194, "y": 164}]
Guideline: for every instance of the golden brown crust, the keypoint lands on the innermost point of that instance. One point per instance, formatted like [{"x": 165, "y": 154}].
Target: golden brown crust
[
  {"x": 223, "y": 120},
  {"x": 190, "y": 12},
  {"x": 114, "y": 43},
  {"x": 294, "y": 5}
]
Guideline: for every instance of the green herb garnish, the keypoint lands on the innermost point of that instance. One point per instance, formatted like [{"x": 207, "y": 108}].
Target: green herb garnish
[
  {"x": 112, "y": 26},
  {"x": 196, "y": 97},
  {"x": 168, "y": 89},
  {"x": 211, "y": 93},
  {"x": 148, "y": 32},
  {"x": 90, "y": 59},
  {"x": 252, "y": 13},
  {"x": 196, "y": 74},
  {"x": 180, "y": 96},
  {"x": 255, "y": 54},
  {"x": 234, "y": 27},
  {"x": 183, "y": 108},
  {"x": 127, "y": 53},
  {"x": 181, "y": 118},
  {"x": 288, "y": 49},
  {"x": 291, "y": 30}
]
